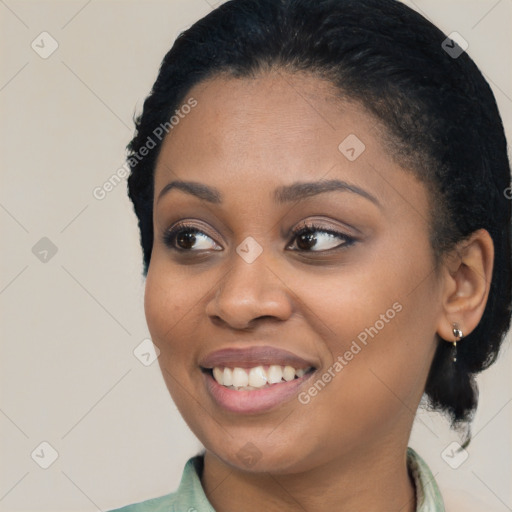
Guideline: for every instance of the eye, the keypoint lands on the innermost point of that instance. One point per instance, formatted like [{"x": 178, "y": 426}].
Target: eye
[
  {"x": 329, "y": 239},
  {"x": 187, "y": 238}
]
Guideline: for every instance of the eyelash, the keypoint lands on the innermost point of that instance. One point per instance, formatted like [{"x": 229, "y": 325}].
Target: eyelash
[{"x": 169, "y": 237}]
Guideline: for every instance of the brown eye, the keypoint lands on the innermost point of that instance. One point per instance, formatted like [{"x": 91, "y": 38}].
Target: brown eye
[
  {"x": 308, "y": 239},
  {"x": 187, "y": 238}
]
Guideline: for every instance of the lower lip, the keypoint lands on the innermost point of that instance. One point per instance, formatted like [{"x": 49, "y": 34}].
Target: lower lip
[{"x": 255, "y": 401}]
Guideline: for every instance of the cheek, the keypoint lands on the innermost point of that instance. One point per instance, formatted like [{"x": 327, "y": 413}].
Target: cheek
[
  {"x": 161, "y": 311},
  {"x": 169, "y": 307},
  {"x": 384, "y": 368},
  {"x": 168, "y": 301},
  {"x": 380, "y": 320},
  {"x": 342, "y": 304}
]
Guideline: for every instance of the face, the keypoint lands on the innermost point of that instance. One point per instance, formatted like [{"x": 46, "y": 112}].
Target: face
[{"x": 321, "y": 299}]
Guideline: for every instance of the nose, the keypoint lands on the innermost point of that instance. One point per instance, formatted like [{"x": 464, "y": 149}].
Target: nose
[{"x": 250, "y": 292}]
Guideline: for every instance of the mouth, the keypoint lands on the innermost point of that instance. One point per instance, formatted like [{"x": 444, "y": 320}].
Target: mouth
[
  {"x": 256, "y": 377},
  {"x": 242, "y": 398}
]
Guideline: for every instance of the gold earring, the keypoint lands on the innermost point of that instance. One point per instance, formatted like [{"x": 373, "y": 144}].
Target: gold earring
[{"x": 457, "y": 333}]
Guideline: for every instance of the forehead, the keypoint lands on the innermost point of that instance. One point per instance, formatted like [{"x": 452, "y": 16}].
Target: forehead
[{"x": 274, "y": 129}]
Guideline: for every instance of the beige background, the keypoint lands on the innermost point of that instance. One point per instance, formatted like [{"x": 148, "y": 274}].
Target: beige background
[{"x": 68, "y": 373}]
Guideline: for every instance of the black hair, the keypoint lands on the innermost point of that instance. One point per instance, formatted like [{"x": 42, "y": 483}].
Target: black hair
[{"x": 440, "y": 117}]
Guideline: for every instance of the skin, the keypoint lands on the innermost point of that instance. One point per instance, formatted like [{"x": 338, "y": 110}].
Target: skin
[{"x": 346, "y": 449}]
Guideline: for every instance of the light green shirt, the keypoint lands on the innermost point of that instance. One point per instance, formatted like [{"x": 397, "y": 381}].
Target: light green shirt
[{"x": 190, "y": 496}]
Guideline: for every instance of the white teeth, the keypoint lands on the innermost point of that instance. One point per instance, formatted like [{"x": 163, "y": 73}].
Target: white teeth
[
  {"x": 227, "y": 377},
  {"x": 247, "y": 379},
  {"x": 257, "y": 377},
  {"x": 240, "y": 377},
  {"x": 218, "y": 375},
  {"x": 288, "y": 373},
  {"x": 275, "y": 374}
]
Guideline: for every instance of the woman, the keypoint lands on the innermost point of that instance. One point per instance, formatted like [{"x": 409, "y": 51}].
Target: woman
[{"x": 321, "y": 195}]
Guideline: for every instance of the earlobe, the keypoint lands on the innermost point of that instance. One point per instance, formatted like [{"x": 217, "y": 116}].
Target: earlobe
[{"x": 466, "y": 284}]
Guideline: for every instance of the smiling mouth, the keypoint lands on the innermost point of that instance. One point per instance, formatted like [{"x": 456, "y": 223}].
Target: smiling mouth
[{"x": 257, "y": 377}]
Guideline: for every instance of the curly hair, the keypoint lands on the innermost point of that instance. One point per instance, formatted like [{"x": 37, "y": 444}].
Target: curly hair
[{"x": 440, "y": 117}]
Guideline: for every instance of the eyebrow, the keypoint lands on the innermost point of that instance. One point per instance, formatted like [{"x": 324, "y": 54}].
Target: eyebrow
[
  {"x": 204, "y": 192},
  {"x": 283, "y": 194}
]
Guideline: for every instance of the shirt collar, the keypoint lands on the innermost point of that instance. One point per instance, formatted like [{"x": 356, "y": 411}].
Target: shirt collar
[
  {"x": 190, "y": 494},
  {"x": 428, "y": 496}
]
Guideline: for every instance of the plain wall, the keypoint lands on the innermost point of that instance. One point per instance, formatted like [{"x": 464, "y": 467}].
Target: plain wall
[{"x": 68, "y": 374}]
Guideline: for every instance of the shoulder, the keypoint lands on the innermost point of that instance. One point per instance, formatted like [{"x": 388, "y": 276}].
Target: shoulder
[
  {"x": 188, "y": 497},
  {"x": 432, "y": 496},
  {"x": 160, "y": 504},
  {"x": 456, "y": 500}
]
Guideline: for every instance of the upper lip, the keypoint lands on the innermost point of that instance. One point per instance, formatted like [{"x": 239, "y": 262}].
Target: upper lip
[{"x": 253, "y": 356}]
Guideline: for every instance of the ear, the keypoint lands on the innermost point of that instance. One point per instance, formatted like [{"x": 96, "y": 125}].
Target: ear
[{"x": 466, "y": 282}]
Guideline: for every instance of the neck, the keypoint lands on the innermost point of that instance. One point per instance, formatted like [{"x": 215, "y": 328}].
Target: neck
[{"x": 374, "y": 481}]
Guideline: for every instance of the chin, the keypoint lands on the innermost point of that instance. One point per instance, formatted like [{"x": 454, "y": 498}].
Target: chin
[{"x": 262, "y": 456}]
